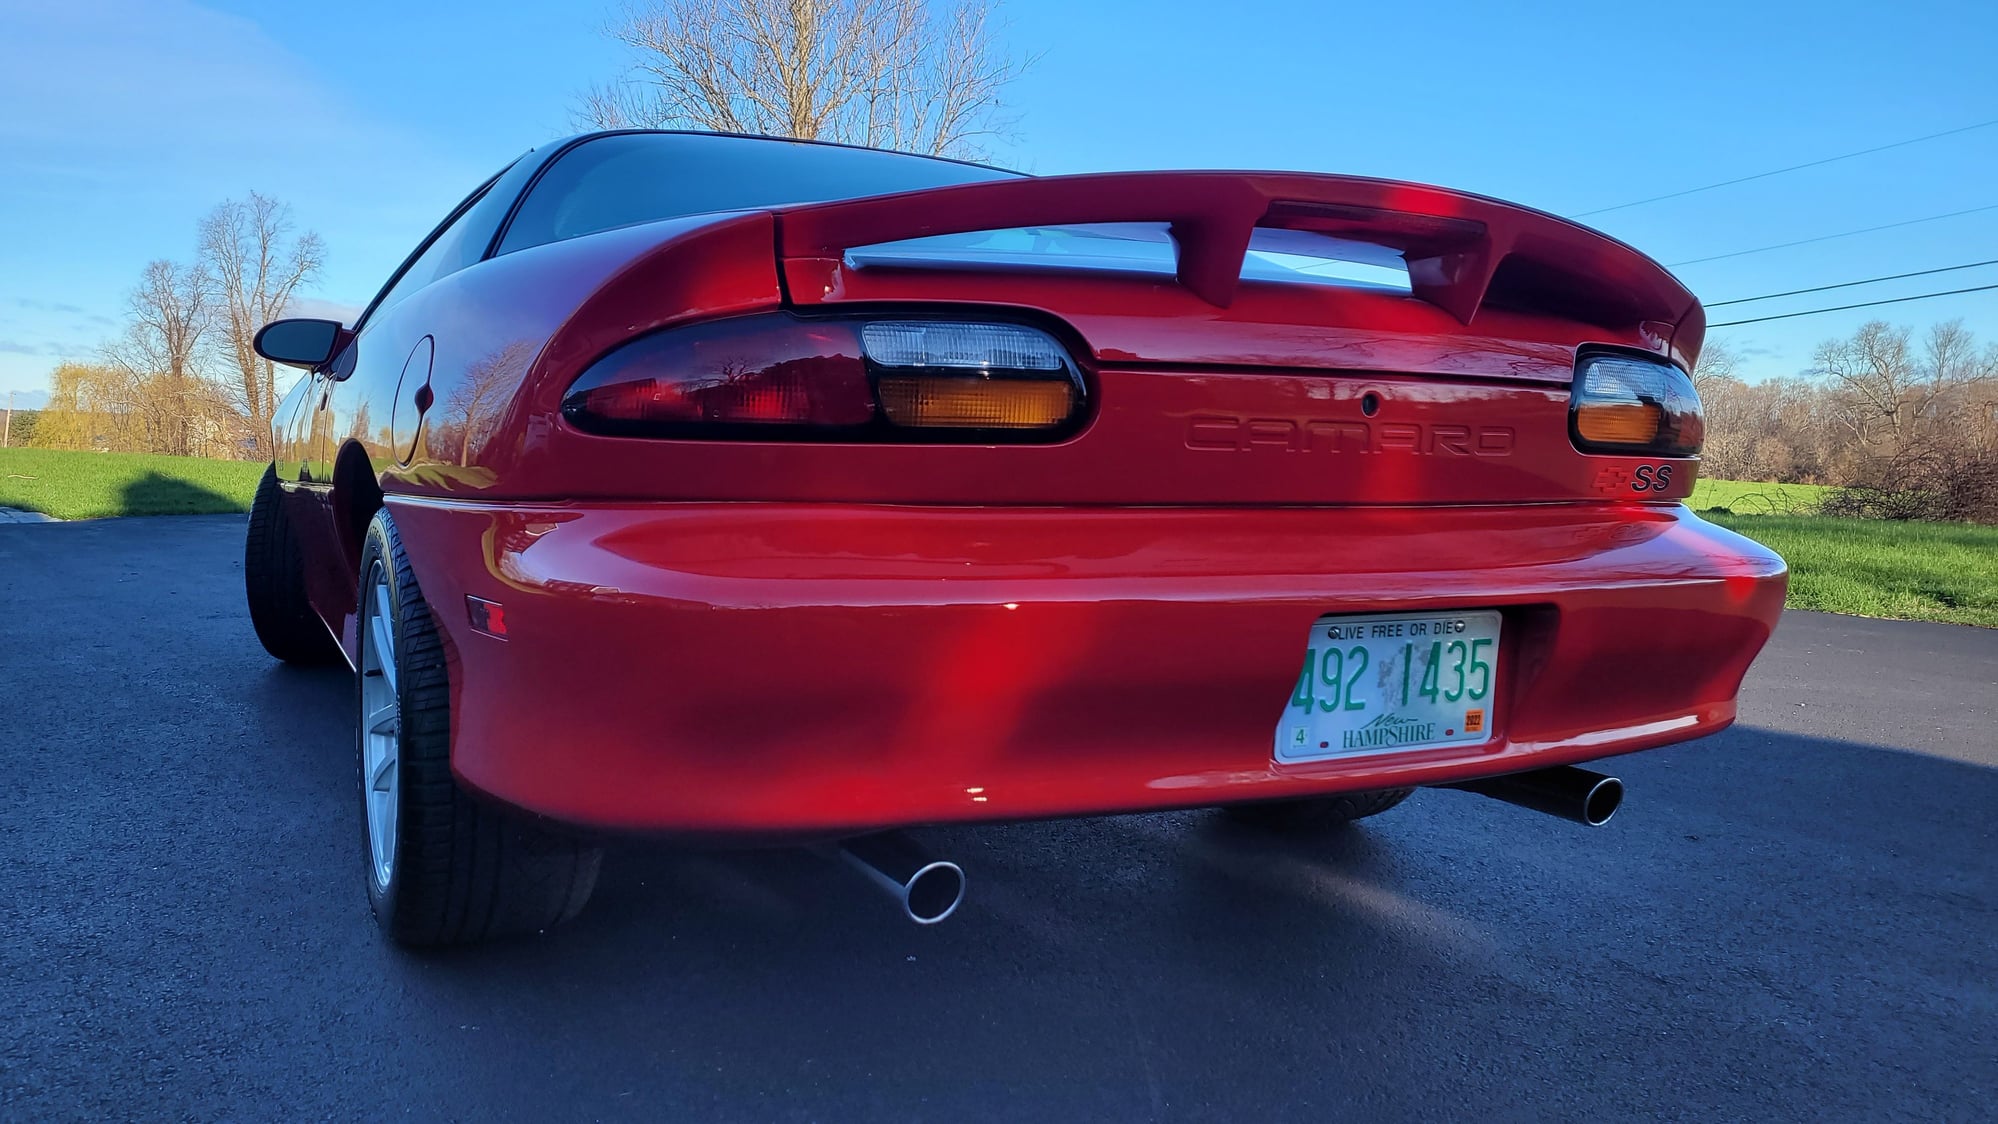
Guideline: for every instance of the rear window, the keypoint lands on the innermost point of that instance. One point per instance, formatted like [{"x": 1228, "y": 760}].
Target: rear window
[{"x": 623, "y": 179}]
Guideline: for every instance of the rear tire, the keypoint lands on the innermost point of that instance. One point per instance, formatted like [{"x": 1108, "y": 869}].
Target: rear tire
[
  {"x": 443, "y": 868},
  {"x": 1319, "y": 814},
  {"x": 274, "y": 582}
]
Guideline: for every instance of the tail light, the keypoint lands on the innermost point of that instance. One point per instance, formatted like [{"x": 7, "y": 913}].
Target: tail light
[
  {"x": 1634, "y": 407},
  {"x": 758, "y": 371},
  {"x": 780, "y": 376}
]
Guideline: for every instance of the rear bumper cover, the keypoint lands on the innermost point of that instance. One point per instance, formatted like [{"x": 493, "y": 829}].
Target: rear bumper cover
[{"x": 771, "y": 670}]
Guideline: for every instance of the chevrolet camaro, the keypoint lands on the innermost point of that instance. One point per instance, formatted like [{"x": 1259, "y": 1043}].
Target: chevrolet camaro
[{"x": 744, "y": 490}]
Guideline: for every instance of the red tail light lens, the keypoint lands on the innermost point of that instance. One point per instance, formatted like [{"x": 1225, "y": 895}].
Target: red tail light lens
[
  {"x": 778, "y": 376},
  {"x": 1635, "y": 407},
  {"x": 756, "y": 371}
]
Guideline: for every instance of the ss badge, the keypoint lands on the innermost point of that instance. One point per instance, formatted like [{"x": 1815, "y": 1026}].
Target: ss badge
[{"x": 1651, "y": 478}]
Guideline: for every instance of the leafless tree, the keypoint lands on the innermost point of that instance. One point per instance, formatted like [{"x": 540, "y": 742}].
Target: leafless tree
[
  {"x": 248, "y": 248},
  {"x": 1717, "y": 361},
  {"x": 898, "y": 74},
  {"x": 472, "y": 407},
  {"x": 155, "y": 361},
  {"x": 1878, "y": 369},
  {"x": 1917, "y": 416},
  {"x": 172, "y": 308}
]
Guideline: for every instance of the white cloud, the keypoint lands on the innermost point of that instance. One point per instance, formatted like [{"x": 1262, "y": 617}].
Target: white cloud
[{"x": 157, "y": 80}]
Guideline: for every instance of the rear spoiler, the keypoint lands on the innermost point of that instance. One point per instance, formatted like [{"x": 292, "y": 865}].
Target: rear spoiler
[{"x": 1464, "y": 252}]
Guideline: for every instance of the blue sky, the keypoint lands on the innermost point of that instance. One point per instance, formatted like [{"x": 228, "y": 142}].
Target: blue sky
[{"x": 123, "y": 121}]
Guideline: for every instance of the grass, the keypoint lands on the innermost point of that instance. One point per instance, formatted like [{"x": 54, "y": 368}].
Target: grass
[
  {"x": 71, "y": 485},
  {"x": 1747, "y": 497},
  {"x": 1878, "y": 568}
]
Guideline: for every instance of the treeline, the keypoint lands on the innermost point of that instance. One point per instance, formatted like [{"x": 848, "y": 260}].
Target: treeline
[
  {"x": 182, "y": 378},
  {"x": 1905, "y": 426}
]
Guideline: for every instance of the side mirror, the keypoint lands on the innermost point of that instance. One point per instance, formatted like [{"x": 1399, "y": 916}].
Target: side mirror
[{"x": 299, "y": 342}]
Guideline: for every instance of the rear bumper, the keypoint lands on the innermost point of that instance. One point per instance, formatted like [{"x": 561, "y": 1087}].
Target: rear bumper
[{"x": 768, "y": 670}]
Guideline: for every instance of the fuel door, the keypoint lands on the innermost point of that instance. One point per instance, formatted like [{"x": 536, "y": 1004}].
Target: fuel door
[{"x": 412, "y": 397}]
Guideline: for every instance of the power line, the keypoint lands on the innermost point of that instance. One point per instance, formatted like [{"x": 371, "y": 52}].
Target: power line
[
  {"x": 1851, "y": 284},
  {"x": 1846, "y": 307},
  {"x": 1841, "y": 234},
  {"x": 1791, "y": 168}
]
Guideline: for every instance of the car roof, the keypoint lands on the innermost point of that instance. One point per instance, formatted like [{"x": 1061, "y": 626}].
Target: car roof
[{"x": 561, "y": 143}]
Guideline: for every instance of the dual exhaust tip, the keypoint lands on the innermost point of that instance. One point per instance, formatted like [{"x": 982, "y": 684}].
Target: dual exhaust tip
[
  {"x": 930, "y": 889},
  {"x": 1565, "y": 791},
  {"x": 927, "y": 889}
]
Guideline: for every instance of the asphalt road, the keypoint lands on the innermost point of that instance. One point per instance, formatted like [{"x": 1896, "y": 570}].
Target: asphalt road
[{"x": 1791, "y": 920}]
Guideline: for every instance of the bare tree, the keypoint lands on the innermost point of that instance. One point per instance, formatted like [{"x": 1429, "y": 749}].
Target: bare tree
[
  {"x": 472, "y": 407},
  {"x": 169, "y": 312},
  {"x": 1717, "y": 361},
  {"x": 886, "y": 73},
  {"x": 246, "y": 245},
  {"x": 1876, "y": 369}
]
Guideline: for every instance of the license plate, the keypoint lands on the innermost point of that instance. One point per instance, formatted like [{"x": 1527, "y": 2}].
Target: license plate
[{"x": 1392, "y": 682}]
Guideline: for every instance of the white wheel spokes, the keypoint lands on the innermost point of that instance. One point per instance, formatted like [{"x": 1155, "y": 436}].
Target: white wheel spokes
[
  {"x": 381, "y": 726},
  {"x": 382, "y": 623},
  {"x": 384, "y": 778}
]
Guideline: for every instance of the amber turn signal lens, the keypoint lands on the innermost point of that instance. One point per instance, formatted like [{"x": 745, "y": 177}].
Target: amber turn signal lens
[
  {"x": 1622, "y": 405},
  {"x": 1618, "y": 424},
  {"x": 959, "y": 402}
]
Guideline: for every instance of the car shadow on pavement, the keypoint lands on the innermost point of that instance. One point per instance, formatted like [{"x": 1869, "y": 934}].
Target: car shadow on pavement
[{"x": 1772, "y": 921}]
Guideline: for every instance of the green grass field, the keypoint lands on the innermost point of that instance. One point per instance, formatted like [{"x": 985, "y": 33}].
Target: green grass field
[
  {"x": 1745, "y": 497},
  {"x": 1877, "y": 568},
  {"x": 94, "y": 485}
]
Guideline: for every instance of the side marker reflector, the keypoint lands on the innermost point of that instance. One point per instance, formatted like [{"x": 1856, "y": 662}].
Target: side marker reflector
[{"x": 486, "y": 616}]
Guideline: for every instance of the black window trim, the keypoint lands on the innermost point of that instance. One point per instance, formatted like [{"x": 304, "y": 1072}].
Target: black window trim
[{"x": 430, "y": 239}]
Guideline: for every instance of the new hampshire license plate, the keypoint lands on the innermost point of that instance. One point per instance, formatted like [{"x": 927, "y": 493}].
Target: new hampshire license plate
[{"x": 1392, "y": 682}]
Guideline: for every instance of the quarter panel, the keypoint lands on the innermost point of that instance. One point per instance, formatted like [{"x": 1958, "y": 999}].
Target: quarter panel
[{"x": 512, "y": 332}]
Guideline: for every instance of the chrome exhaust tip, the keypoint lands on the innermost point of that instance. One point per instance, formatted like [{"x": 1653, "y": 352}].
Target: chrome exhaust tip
[
  {"x": 927, "y": 889},
  {"x": 1565, "y": 791}
]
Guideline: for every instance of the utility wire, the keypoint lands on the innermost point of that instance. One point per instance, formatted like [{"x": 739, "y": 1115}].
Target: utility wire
[
  {"x": 1841, "y": 234},
  {"x": 1850, "y": 284},
  {"x": 1791, "y": 168},
  {"x": 1846, "y": 307}
]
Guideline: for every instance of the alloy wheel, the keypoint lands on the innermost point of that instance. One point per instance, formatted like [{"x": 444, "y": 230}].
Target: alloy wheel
[{"x": 381, "y": 715}]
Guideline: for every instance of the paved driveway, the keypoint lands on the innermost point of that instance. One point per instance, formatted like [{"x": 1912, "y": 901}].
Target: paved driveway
[{"x": 1795, "y": 919}]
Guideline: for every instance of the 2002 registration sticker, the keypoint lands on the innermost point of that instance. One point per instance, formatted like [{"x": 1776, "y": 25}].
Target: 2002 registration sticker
[{"x": 1392, "y": 682}]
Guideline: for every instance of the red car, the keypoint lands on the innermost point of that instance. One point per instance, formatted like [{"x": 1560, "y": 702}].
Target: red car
[{"x": 751, "y": 490}]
